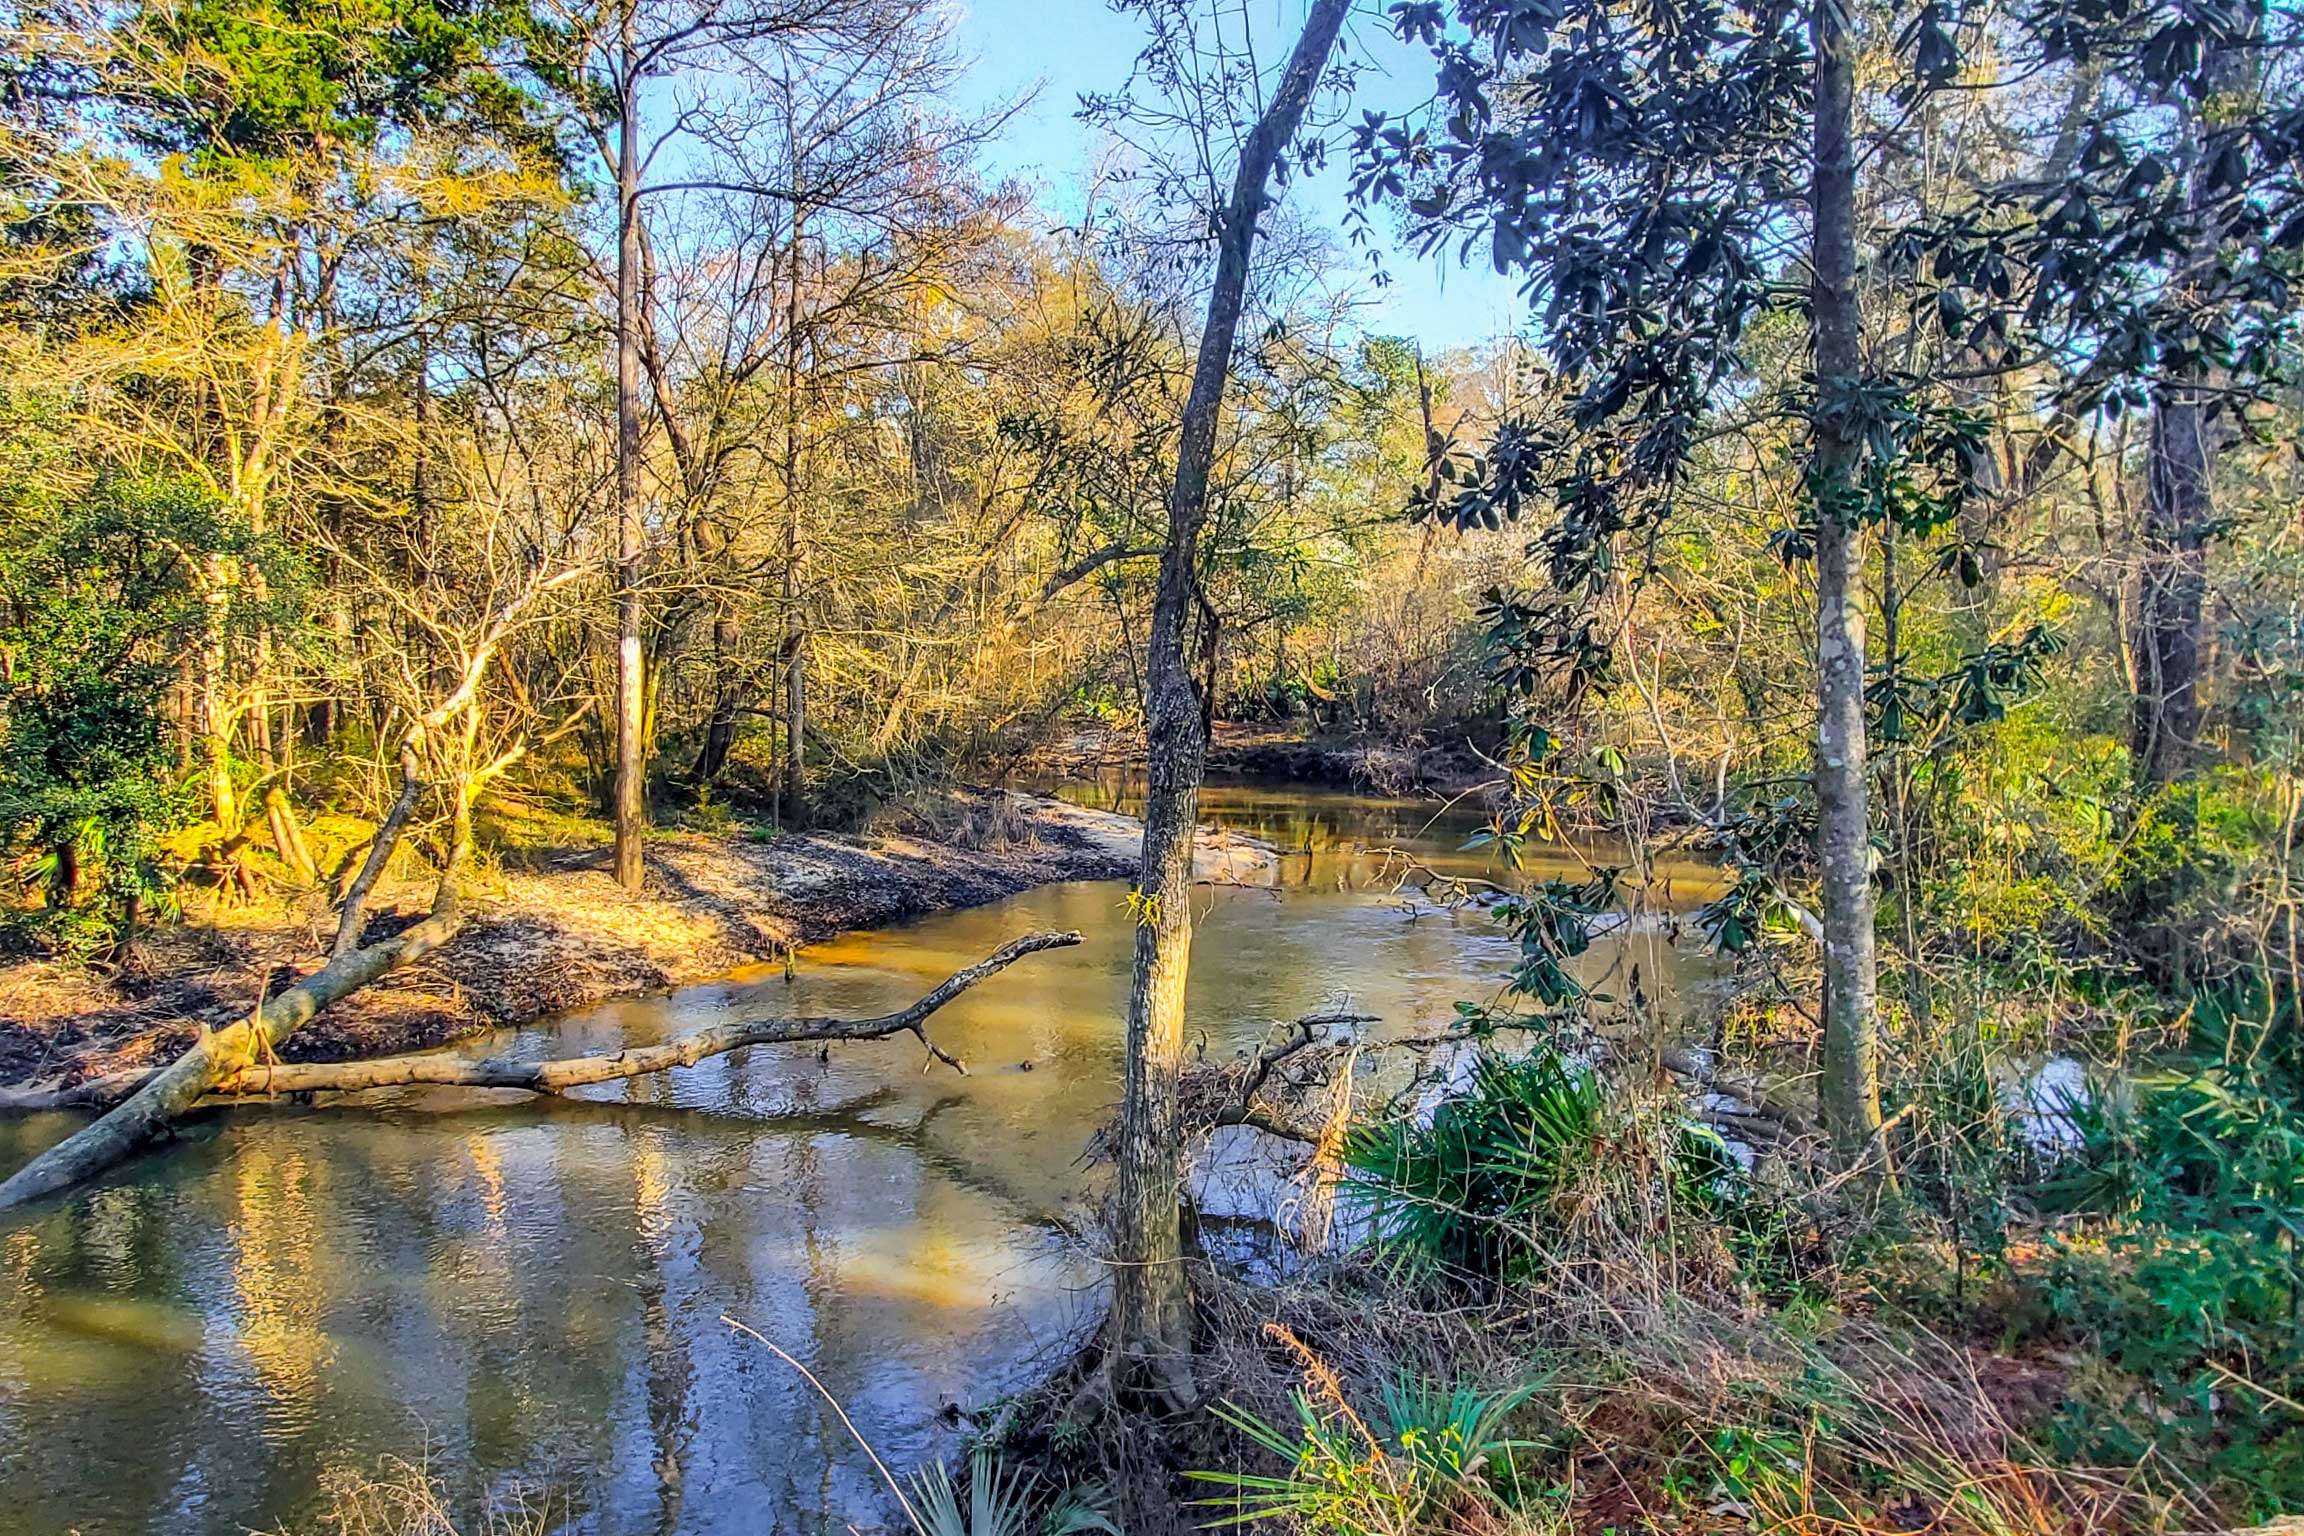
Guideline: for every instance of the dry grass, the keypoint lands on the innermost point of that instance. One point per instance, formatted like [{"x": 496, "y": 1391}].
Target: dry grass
[
  {"x": 1672, "y": 1396},
  {"x": 406, "y": 1498},
  {"x": 1664, "y": 1411}
]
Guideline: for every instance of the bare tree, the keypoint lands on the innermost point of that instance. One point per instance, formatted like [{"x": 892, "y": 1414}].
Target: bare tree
[
  {"x": 842, "y": 196},
  {"x": 612, "y": 65}
]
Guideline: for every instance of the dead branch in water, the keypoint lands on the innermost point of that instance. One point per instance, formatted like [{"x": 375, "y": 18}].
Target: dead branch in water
[
  {"x": 576, "y": 1071},
  {"x": 157, "y": 1099},
  {"x": 1216, "y": 1095},
  {"x": 562, "y": 1074}
]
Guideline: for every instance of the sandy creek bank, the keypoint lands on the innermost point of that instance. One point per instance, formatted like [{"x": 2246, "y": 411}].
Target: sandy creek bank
[{"x": 558, "y": 934}]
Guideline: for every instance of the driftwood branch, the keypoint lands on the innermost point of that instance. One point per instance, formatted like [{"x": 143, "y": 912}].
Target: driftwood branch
[
  {"x": 575, "y": 1071},
  {"x": 1769, "y": 1102},
  {"x": 252, "y": 1080},
  {"x": 1312, "y": 1029}
]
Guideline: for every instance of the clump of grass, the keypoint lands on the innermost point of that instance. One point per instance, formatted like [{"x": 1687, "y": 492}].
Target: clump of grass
[
  {"x": 1000, "y": 1501},
  {"x": 407, "y": 1498},
  {"x": 1435, "y": 1452},
  {"x": 1546, "y": 1172}
]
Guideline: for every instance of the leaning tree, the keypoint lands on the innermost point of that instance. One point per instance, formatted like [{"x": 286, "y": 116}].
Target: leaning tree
[{"x": 1149, "y": 1336}]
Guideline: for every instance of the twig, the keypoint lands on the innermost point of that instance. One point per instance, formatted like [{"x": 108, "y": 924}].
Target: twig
[{"x": 886, "y": 1476}]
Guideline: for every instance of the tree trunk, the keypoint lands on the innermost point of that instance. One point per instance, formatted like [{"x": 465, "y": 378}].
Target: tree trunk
[
  {"x": 2180, "y": 504},
  {"x": 795, "y": 701},
  {"x": 1150, "y": 1332},
  {"x": 288, "y": 837},
  {"x": 279, "y": 810},
  {"x": 215, "y": 710},
  {"x": 1851, "y": 1087},
  {"x": 795, "y": 651},
  {"x": 2173, "y": 581},
  {"x": 727, "y": 700},
  {"x": 379, "y": 854},
  {"x": 719, "y": 741},
  {"x": 631, "y": 763}
]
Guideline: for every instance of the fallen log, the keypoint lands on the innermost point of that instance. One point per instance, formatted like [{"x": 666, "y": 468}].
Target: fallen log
[
  {"x": 89, "y": 1093},
  {"x": 166, "y": 1094},
  {"x": 1768, "y": 1102},
  {"x": 222, "y": 1063},
  {"x": 558, "y": 1076}
]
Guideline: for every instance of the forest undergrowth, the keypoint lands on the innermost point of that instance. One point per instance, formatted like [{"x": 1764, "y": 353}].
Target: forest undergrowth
[{"x": 1586, "y": 1315}]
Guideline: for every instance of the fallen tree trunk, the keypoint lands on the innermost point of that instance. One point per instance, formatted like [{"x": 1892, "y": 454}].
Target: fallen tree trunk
[
  {"x": 218, "y": 1055},
  {"x": 222, "y": 1064},
  {"x": 575, "y": 1071}
]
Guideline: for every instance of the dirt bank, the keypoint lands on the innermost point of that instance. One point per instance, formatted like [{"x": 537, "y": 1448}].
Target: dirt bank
[{"x": 559, "y": 934}]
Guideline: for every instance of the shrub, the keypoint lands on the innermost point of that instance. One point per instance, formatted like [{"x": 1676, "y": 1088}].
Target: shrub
[
  {"x": 1462, "y": 1191},
  {"x": 1434, "y": 1447},
  {"x": 2188, "y": 1282},
  {"x": 97, "y": 609},
  {"x": 1532, "y": 1144}
]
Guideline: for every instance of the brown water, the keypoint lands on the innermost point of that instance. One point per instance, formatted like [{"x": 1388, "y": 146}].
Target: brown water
[{"x": 531, "y": 1292}]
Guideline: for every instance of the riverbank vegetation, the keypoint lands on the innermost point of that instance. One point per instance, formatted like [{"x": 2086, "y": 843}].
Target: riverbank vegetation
[
  {"x": 1910, "y": 378},
  {"x": 446, "y": 445}
]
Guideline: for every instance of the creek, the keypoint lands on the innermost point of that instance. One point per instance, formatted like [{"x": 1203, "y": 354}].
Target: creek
[{"x": 530, "y": 1294}]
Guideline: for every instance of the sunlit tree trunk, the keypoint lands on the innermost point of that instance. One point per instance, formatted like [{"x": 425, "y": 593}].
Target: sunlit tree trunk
[
  {"x": 214, "y": 712},
  {"x": 1150, "y": 1334},
  {"x": 631, "y": 761},
  {"x": 1851, "y": 1090},
  {"x": 795, "y": 651}
]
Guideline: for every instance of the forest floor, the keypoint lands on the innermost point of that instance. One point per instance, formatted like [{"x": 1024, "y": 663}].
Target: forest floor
[{"x": 551, "y": 932}]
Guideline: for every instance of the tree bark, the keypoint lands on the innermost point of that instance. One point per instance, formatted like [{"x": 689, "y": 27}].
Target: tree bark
[
  {"x": 2179, "y": 506},
  {"x": 2180, "y": 501},
  {"x": 1851, "y": 1084},
  {"x": 795, "y": 651},
  {"x": 379, "y": 854},
  {"x": 215, "y": 711},
  {"x": 1149, "y": 1336},
  {"x": 727, "y": 701},
  {"x": 631, "y": 764}
]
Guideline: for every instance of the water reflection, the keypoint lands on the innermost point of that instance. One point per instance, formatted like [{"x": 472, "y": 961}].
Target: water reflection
[{"x": 534, "y": 1289}]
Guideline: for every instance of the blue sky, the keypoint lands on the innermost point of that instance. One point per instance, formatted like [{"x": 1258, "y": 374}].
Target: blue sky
[{"x": 1070, "y": 46}]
